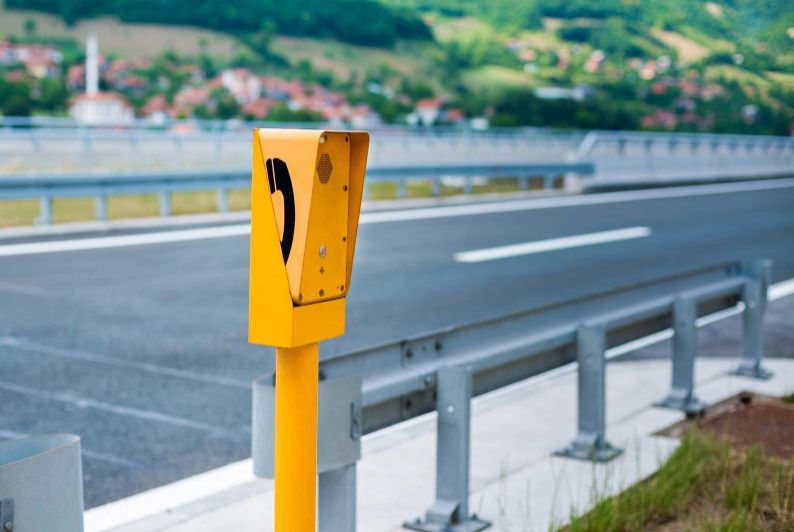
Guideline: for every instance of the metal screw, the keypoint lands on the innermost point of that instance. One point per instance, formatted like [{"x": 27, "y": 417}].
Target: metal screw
[
  {"x": 344, "y": 188},
  {"x": 751, "y": 304},
  {"x": 343, "y": 288},
  {"x": 589, "y": 359},
  {"x": 344, "y": 239},
  {"x": 322, "y": 293},
  {"x": 322, "y": 252},
  {"x": 345, "y": 139},
  {"x": 7, "y": 526},
  {"x": 450, "y": 409},
  {"x": 300, "y": 297}
]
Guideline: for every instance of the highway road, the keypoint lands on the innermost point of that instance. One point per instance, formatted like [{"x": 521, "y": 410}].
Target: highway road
[{"x": 138, "y": 342}]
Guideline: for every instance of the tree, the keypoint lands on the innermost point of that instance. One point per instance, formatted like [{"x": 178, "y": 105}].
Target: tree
[
  {"x": 30, "y": 27},
  {"x": 227, "y": 107}
]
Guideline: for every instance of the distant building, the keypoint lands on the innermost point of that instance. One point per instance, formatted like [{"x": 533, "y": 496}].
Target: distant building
[
  {"x": 578, "y": 93},
  {"x": 428, "y": 110},
  {"x": 101, "y": 108},
  {"x": 94, "y": 106}
]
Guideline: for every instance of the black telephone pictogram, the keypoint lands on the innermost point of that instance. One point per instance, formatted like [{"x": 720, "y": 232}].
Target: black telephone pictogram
[{"x": 278, "y": 175}]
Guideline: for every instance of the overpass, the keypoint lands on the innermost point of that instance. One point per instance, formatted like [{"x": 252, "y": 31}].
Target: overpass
[{"x": 620, "y": 159}]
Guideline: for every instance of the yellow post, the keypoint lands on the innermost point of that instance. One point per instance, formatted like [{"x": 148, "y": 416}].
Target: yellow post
[
  {"x": 305, "y": 201},
  {"x": 296, "y": 437}
]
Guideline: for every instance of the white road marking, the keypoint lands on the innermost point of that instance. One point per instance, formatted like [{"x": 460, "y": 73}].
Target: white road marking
[
  {"x": 104, "y": 457},
  {"x": 24, "y": 345},
  {"x": 149, "y": 415},
  {"x": 553, "y": 244},
  {"x": 158, "y": 500},
  {"x": 164, "y": 237},
  {"x": 781, "y": 290},
  {"x": 571, "y": 201},
  {"x": 80, "y": 244}
]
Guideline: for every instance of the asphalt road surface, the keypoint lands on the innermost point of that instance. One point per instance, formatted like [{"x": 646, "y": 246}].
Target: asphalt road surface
[{"x": 142, "y": 349}]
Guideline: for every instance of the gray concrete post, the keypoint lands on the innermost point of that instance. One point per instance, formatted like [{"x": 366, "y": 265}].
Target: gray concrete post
[
  {"x": 754, "y": 295},
  {"x": 684, "y": 353},
  {"x": 523, "y": 183},
  {"x": 590, "y": 442}
]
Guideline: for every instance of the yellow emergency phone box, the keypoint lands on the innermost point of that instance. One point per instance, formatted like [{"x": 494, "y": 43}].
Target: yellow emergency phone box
[{"x": 306, "y": 195}]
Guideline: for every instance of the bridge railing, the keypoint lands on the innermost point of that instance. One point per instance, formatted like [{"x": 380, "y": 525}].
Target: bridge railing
[
  {"x": 164, "y": 183},
  {"x": 375, "y": 388}
]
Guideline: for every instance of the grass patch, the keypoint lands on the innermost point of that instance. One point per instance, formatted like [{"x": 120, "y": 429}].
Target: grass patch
[
  {"x": 65, "y": 210},
  {"x": 688, "y": 50},
  {"x": 125, "y": 38},
  {"x": 789, "y": 399},
  {"x": 705, "y": 486},
  {"x": 417, "y": 188}
]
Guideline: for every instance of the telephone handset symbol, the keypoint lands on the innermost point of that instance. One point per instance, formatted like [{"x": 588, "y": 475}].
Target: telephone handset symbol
[{"x": 278, "y": 175}]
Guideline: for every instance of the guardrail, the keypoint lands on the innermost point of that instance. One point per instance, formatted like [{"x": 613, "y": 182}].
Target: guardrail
[
  {"x": 368, "y": 390},
  {"x": 101, "y": 186}
]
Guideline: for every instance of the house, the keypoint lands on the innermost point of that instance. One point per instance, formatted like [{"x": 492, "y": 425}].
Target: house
[
  {"x": 101, "y": 108},
  {"x": 260, "y": 107},
  {"x": 241, "y": 83},
  {"x": 156, "y": 109},
  {"x": 428, "y": 110}
]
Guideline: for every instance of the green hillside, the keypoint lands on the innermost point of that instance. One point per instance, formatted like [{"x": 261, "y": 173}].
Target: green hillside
[
  {"x": 678, "y": 65},
  {"x": 355, "y": 21}
]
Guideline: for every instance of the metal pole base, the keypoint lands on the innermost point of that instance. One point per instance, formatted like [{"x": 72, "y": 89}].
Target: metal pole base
[
  {"x": 473, "y": 524},
  {"x": 755, "y": 372},
  {"x": 691, "y": 406},
  {"x": 590, "y": 452}
]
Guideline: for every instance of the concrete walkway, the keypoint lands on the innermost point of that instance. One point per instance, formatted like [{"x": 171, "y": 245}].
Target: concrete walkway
[{"x": 515, "y": 482}]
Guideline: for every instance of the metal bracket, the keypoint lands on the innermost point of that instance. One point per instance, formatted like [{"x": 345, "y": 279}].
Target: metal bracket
[
  {"x": 355, "y": 420},
  {"x": 7, "y": 515}
]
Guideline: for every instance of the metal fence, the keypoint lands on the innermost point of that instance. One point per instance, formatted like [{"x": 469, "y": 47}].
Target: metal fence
[
  {"x": 375, "y": 388},
  {"x": 101, "y": 186}
]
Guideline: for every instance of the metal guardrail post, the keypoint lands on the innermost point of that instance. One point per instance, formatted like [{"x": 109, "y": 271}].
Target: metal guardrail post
[
  {"x": 402, "y": 189},
  {"x": 548, "y": 182},
  {"x": 45, "y": 211},
  {"x": 450, "y": 511},
  {"x": 590, "y": 442},
  {"x": 754, "y": 295},
  {"x": 165, "y": 203},
  {"x": 222, "y": 200},
  {"x": 41, "y": 484},
  {"x": 337, "y": 499},
  {"x": 101, "y": 207},
  {"x": 338, "y": 445},
  {"x": 684, "y": 352},
  {"x": 467, "y": 185},
  {"x": 523, "y": 183},
  {"x": 436, "y": 186}
]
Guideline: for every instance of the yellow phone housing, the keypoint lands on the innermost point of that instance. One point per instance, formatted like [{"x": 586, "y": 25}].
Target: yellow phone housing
[{"x": 302, "y": 301}]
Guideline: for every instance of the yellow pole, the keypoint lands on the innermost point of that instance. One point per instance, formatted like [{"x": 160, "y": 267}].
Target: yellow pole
[{"x": 296, "y": 437}]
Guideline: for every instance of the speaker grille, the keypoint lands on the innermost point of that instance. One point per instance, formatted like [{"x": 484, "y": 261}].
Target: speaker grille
[{"x": 324, "y": 168}]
